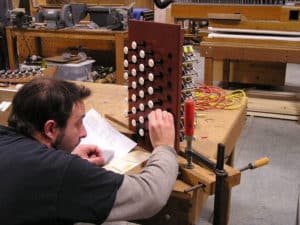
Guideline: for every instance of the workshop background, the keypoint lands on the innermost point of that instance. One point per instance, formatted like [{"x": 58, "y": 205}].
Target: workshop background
[{"x": 269, "y": 195}]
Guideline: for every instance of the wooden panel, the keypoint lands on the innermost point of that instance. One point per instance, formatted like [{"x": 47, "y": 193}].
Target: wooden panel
[
  {"x": 265, "y": 73},
  {"x": 202, "y": 10},
  {"x": 218, "y": 70},
  {"x": 166, "y": 55}
]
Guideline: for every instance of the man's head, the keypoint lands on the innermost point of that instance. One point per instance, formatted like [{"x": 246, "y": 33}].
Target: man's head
[{"x": 50, "y": 110}]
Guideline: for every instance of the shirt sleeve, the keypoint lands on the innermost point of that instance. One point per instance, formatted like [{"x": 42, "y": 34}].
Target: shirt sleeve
[
  {"x": 143, "y": 195},
  {"x": 87, "y": 192}
]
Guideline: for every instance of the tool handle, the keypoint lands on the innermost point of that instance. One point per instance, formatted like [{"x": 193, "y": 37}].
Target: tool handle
[
  {"x": 261, "y": 162},
  {"x": 189, "y": 111}
]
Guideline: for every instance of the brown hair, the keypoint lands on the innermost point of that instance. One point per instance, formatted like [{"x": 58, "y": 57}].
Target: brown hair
[{"x": 43, "y": 99}]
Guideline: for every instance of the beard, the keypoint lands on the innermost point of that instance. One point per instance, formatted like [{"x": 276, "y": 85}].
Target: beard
[{"x": 60, "y": 144}]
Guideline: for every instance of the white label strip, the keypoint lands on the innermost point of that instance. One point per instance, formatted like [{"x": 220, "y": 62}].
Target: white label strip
[{"x": 4, "y": 105}]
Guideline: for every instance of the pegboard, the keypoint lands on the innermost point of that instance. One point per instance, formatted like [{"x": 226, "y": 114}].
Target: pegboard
[{"x": 153, "y": 70}]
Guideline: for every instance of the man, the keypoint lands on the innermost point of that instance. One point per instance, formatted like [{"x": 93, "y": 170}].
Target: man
[{"x": 42, "y": 183}]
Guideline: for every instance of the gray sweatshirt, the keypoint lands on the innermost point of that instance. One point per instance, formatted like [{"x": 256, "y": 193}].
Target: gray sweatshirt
[{"x": 142, "y": 195}]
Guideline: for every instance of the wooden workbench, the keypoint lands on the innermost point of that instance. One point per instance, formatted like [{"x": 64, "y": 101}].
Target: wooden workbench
[
  {"x": 224, "y": 50},
  {"x": 22, "y": 35},
  {"x": 216, "y": 126}
]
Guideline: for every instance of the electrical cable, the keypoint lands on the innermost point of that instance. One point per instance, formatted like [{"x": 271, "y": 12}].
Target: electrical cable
[{"x": 210, "y": 97}]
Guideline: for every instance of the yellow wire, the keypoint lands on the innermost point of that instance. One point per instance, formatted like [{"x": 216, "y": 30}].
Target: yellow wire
[{"x": 233, "y": 100}]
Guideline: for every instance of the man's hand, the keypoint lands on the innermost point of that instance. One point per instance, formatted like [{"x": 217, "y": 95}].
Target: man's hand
[
  {"x": 91, "y": 153},
  {"x": 161, "y": 128}
]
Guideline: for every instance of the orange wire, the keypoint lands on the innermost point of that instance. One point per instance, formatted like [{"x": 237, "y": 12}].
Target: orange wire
[{"x": 210, "y": 97}]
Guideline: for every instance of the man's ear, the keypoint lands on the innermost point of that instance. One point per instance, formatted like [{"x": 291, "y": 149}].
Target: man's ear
[{"x": 51, "y": 129}]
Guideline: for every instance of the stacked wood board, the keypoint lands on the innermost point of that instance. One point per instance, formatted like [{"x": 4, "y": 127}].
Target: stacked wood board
[{"x": 274, "y": 104}]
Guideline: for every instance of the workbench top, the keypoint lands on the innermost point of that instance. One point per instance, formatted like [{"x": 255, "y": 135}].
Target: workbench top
[{"x": 213, "y": 126}]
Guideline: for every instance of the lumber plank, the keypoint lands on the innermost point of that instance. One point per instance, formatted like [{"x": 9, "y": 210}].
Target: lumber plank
[{"x": 274, "y": 106}]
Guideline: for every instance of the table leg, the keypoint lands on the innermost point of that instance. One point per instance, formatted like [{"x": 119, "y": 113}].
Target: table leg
[
  {"x": 208, "y": 71},
  {"x": 230, "y": 162},
  {"x": 119, "y": 44},
  {"x": 226, "y": 73},
  {"x": 198, "y": 201},
  {"x": 11, "y": 49}
]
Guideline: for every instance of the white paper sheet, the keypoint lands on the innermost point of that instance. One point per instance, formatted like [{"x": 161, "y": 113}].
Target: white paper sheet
[{"x": 101, "y": 133}]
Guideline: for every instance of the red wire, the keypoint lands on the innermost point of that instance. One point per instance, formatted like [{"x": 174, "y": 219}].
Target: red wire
[{"x": 205, "y": 102}]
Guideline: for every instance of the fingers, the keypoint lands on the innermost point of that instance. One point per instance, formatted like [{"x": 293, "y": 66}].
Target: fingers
[
  {"x": 90, "y": 150},
  {"x": 161, "y": 128},
  {"x": 159, "y": 116},
  {"x": 91, "y": 153},
  {"x": 99, "y": 161}
]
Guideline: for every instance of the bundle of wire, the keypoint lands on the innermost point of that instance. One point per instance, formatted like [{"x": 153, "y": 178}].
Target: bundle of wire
[{"x": 210, "y": 97}]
